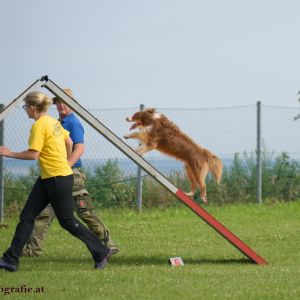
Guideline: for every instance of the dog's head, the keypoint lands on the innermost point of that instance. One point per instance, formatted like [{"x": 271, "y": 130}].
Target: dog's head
[{"x": 144, "y": 118}]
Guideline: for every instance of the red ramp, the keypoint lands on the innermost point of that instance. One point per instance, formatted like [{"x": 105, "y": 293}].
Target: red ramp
[{"x": 221, "y": 229}]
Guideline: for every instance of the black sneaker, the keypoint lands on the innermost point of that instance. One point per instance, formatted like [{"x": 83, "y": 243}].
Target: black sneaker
[
  {"x": 102, "y": 264},
  {"x": 7, "y": 266}
]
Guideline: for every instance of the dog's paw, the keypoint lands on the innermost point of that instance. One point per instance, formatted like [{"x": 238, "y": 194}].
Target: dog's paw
[
  {"x": 204, "y": 199},
  {"x": 126, "y": 137},
  {"x": 190, "y": 194}
]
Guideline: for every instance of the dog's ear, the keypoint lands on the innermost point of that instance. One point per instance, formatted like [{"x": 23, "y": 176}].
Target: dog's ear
[{"x": 152, "y": 110}]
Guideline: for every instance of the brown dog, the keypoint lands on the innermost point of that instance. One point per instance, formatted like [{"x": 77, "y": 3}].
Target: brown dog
[{"x": 158, "y": 132}]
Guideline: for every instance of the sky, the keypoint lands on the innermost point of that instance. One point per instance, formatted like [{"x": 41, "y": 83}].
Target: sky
[{"x": 161, "y": 53}]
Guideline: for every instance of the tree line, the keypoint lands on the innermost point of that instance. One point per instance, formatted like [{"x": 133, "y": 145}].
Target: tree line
[{"x": 109, "y": 187}]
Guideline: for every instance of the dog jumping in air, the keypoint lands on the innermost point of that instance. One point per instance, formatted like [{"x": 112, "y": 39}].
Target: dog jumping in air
[{"x": 158, "y": 132}]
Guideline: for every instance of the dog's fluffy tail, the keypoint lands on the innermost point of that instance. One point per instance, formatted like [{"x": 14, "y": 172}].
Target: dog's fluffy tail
[{"x": 215, "y": 167}]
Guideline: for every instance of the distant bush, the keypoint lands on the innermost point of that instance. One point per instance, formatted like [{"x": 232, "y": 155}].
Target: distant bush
[
  {"x": 282, "y": 180},
  {"x": 109, "y": 187},
  {"x": 17, "y": 188}
]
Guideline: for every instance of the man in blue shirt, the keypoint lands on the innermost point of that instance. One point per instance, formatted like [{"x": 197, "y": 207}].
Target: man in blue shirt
[{"x": 83, "y": 203}]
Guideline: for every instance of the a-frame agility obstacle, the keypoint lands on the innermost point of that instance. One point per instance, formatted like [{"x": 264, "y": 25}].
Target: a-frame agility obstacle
[{"x": 130, "y": 153}]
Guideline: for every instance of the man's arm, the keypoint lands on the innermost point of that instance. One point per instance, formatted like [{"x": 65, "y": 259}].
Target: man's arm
[
  {"x": 26, "y": 155},
  {"x": 75, "y": 155},
  {"x": 69, "y": 146}
]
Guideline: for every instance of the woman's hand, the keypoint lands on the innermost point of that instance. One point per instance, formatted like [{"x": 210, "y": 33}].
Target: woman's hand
[
  {"x": 26, "y": 155},
  {"x": 5, "y": 151}
]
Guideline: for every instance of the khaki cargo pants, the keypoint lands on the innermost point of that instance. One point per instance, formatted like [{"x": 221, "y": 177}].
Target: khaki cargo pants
[{"x": 83, "y": 205}]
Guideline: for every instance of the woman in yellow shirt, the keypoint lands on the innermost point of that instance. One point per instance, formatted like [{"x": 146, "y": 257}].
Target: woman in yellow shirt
[{"x": 50, "y": 144}]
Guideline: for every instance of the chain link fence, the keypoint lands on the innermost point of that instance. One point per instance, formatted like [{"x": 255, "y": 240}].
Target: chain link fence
[{"x": 225, "y": 131}]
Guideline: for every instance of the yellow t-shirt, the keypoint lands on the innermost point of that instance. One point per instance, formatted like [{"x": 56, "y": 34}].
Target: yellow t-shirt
[{"x": 48, "y": 137}]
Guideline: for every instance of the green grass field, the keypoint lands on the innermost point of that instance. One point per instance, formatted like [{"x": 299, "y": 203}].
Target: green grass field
[{"x": 213, "y": 268}]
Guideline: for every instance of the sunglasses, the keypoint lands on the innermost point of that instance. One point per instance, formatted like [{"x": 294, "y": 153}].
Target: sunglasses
[{"x": 25, "y": 106}]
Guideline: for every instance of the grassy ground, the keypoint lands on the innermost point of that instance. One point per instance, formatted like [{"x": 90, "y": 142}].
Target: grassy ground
[{"x": 213, "y": 268}]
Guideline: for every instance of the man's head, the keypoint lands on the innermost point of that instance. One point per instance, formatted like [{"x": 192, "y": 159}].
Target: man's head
[{"x": 62, "y": 108}]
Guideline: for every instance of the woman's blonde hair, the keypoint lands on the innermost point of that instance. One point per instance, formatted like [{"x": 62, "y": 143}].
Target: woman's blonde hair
[{"x": 38, "y": 100}]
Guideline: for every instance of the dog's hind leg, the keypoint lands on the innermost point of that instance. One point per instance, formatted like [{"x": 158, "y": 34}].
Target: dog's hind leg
[
  {"x": 200, "y": 173},
  {"x": 202, "y": 185},
  {"x": 192, "y": 180}
]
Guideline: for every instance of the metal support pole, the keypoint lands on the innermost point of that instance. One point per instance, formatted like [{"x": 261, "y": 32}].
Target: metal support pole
[
  {"x": 1, "y": 170},
  {"x": 139, "y": 182},
  {"x": 258, "y": 155},
  {"x": 11, "y": 106}
]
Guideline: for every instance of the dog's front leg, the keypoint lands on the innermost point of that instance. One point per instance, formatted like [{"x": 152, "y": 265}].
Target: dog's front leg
[{"x": 134, "y": 135}]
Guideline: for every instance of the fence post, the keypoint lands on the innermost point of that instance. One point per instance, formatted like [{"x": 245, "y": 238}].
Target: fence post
[
  {"x": 258, "y": 155},
  {"x": 139, "y": 182},
  {"x": 1, "y": 171}
]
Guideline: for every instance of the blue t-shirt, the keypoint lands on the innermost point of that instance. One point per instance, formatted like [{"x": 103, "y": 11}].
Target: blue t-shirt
[{"x": 73, "y": 125}]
